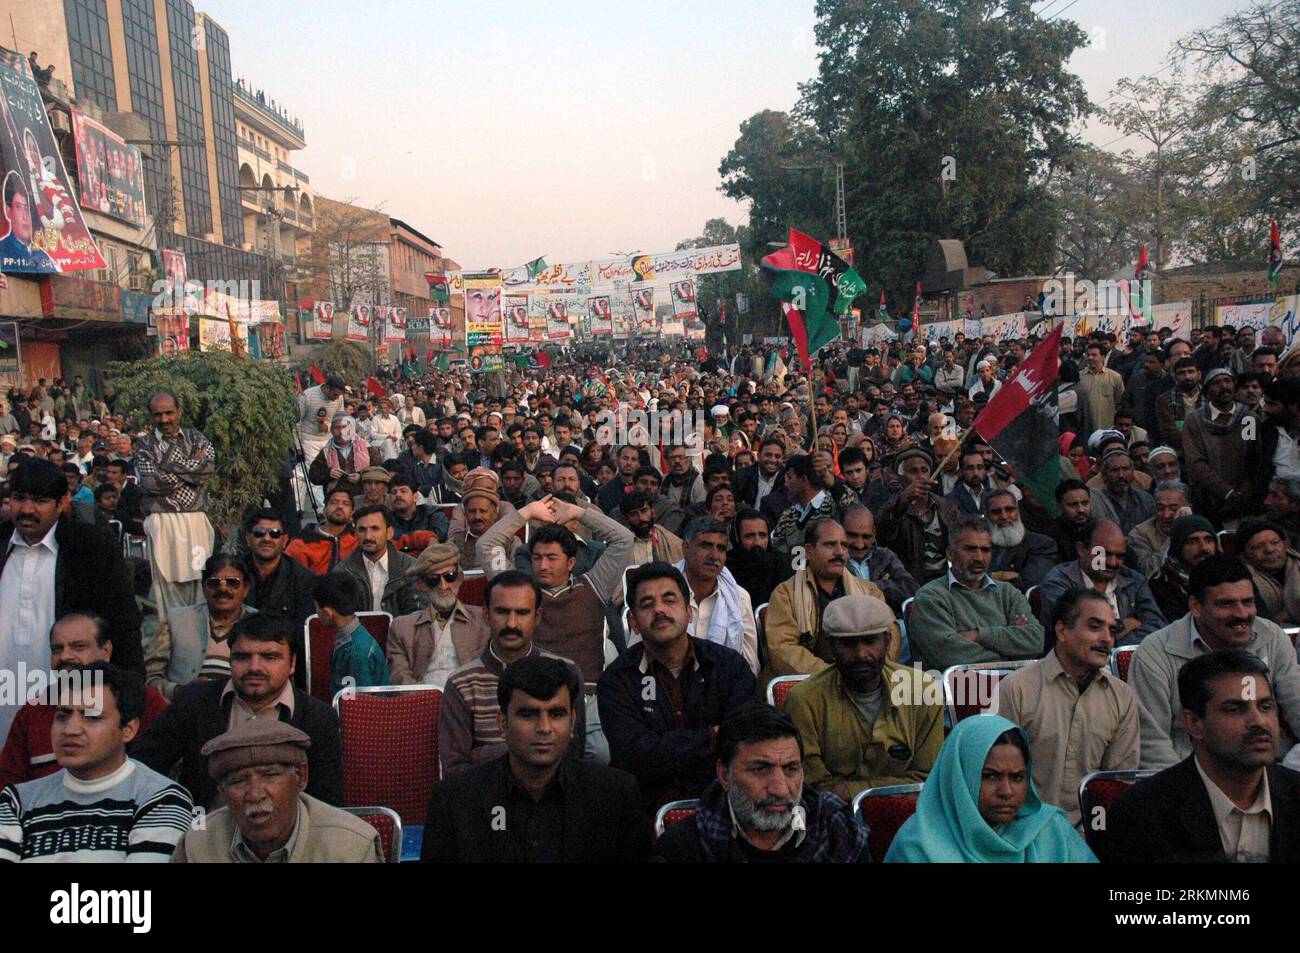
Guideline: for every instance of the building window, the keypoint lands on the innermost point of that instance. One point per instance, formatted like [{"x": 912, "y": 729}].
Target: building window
[
  {"x": 91, "y": 53},
  {"x": 223, "y": 124}
]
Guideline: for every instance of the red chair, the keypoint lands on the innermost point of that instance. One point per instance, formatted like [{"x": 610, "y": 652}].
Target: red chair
[
  {"x": 473, "y": 588},
  {"x": 1228, "y": 542},
  {"x": 1292, "y": 632},
  {"x": 778, "y": 689},
  {"x": 1120, "y": 660},
  {"x": 318, "y": 648},
  {"x": 1097, "y": 792},
  {"x": 906, "y": 612},
  {"x": 1035, "y": 597},
  {"x": 672, "y": 813},
  {"x": 389, "y": 825},
  {"x": 390, "y": 747},
  {"x": 448, "y": 509},
  {"x": 971, "y": 689},
  {"x": 884, "y": 810}
]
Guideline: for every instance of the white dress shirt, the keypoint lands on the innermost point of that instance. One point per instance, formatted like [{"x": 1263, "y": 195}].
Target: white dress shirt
[
  {"x": 377, "y": 571},
  {"x": 26, "y": 611}
]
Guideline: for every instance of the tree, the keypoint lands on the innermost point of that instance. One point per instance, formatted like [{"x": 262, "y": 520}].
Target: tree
[
  {"x": 1096, "y": 232},
  {"x": 349, "y": 253},
  {"x": 348, "y": 359},
  {"x": 245, "y": 407}
]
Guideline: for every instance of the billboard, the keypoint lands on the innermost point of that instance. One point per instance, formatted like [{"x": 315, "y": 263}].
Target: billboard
[
  {"x": 109, "y": 170},
  {"x": 515, "y": 309}
]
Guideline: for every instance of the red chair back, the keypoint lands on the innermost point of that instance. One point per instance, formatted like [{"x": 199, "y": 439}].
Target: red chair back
[
  {"x": 674, "y": 812},
  {"x": 320, "y": 649},
  {"x": 1035, "y": 597},
  {"x": 971, "y": 689},
  {"x": 473, "y": 588},
  {"x": 389, "y": 826},
  {"x": 390, "y": 747},
  {"x": 1121, "y": 659},
  {"x": 1228, "y": 542},
  {"x": 884, "y": 813},
  {"x": 1097, "y": 792}
]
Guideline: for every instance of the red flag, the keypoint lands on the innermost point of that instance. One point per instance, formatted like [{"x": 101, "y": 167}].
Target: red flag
[
  {"x": 916, "y": 309},
  {"x": 316, "y": 375},
  {"x": 543, "y": 359},
  {"x": 428, "y": 358},
  {"x": 374, "y": 389},
  {"x": 807, "y": 251},
  {"x": 1142, "y": 263}
]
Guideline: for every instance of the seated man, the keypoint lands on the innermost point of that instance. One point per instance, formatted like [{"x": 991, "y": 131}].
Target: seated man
[
  {"x": 651, "y": 542},
  {"x": 912, "y": 522},
  {"x": 409, "y": 515},
  {"x": 757, "y": 808},
  {"x": 101, "y": 806},
  {"x": 357, "y": 660},
  {"x": 261, "y": 768},
  {"x": 322, "y": 547},
  {"x": 551, "y": 808},
  {"x": 481, "y": 507},
  {"x": 874, "y": 563},
  {"x": 76, "y": 640},
  {"x": 662, "y": 700},
  {"x": 1020, "y": 557},
  {"x": 968, "y": 495},
  {"x": 275, "y": 583},
  {"x": 865, "y": 722},
  {"x": 263, "y": 658},
  {"x": 1079, "y": 717},
  {"x": 377, "y": 569},
  {"x": 425, "y": 647},
  {"x": 1191, "y": 539},
  {"x": 1274, "y": 568},
  {"x": 1227, "y": 801},
  {"x": 1222, "y": 616},
  {"x": 1120, "y": 501},
  {"x": 1074, "y": 516},
  {"x": 1100, "y": 568},
  {"x": 1148, "y": 542},
  {"x": 794, "y": 617},
  {"x": 809, "y": 501},
  {"x": 469, "y": 729},
  {"x": 721, "y": 610},
  {"x": 968, "y": 616},
  {"x": 572, "y": 620}
]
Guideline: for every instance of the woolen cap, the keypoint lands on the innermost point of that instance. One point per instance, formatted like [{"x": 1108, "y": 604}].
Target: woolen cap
[
  {"x": 257, "y": 741},
  {"x": 375, "y": 473},
  {"x": 1185, "y": 526},
  {"x": 434, "y": 555},
  {"x": 851, "y": 616}
]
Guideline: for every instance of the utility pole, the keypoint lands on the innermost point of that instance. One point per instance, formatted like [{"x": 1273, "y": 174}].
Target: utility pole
[{"x": 841, "y": 212}]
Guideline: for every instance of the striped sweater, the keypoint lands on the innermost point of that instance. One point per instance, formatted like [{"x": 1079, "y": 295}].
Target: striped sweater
[{"x": 134, "y": 815}]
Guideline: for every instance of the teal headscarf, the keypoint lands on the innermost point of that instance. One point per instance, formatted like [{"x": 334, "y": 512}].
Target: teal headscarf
[{"x": 948, "y": 827}]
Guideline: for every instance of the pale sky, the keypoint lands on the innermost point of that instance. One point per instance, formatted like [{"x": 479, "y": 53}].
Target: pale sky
[{"x": 509, "y": 130}]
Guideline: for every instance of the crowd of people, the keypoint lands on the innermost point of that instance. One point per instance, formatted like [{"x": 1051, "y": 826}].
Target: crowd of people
[{"x": 630, "y": 523}]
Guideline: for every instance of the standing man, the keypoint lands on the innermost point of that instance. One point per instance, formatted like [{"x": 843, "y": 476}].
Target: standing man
[
  {"x": 1101, "y": 388},
  {"x": 316, "y": 409},
  {"x": 174, "y": 465},
  {"x": 1221, "y": 449}
]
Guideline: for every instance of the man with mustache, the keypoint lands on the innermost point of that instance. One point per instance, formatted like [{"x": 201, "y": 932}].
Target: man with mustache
[
  {"x": 859, "y": 729},
  {"x": 1148, "y": 542},
  {"x": 425, "y": 647},
  {"x": 1222, "y": 451},
  {"x": 1079, "y": 717},
  {"x": 1226, "y": 801},
  {"x": 1020, "y": 557},
  {"x": 469, "y": 729},
  {"x": 1191, "y": 539},
  {"x": 651, "y": 542},
  {"x": 1222, "y": 616},
  {"x": 967, "y": 616}
]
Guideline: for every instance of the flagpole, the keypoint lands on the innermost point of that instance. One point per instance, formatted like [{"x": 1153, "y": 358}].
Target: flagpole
[{"x": 812, "y": 409}]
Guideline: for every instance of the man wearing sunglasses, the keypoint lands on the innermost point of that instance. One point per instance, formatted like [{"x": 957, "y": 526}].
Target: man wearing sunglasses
[
  {"x": 427, "y": 646},
  {"x": 275, "y": 583}
]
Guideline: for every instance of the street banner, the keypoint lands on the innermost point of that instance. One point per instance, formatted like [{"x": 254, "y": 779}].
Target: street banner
[
  {"x": 683, "y": 298},
  {"x": 173, "y": 332},
  {"x": 109, "y": 170},
  {"x": 574, "y": 277},
  {"x": 359, "y": 319},
  {"x": 557, "y": 321},
  {"x": 214, "y": 335},
  {"x": 395, "y": 326},
  {"x": 600, "y": 315},
  {"x": 684, "y": 263},
  {"x": 440, "y": 327},
  {"x": 322, "y": 321},
  {"x": 643, "y": 307},
  {"x": 43, "y": 231},
  {"x": 1005, "y": 327},
  {"x": 1174, "y": 315},
  {"x": 1285, "y": 314},
  {"x": 673, "y": 328},
  {"x": 1244, "y": 315},
  {"x": 515, "y": 307}
]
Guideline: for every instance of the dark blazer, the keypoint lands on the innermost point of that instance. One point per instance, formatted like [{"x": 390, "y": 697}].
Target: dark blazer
[
  {"x": 1168, "y": 818},
  {"x": 959, "y": 497},
  {"x": 603, "y": 818},
  {"x": 198, "y": 714},
  {"x": 89, "y": 576},
  {"x": 401, "y": 596},
  {"x": 286, "y": 593}
]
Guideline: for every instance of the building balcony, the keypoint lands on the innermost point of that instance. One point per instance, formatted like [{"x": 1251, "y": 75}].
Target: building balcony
[{"x": 258, "y": 102}]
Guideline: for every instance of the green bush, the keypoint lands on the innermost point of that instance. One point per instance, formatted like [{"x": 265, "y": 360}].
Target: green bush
[
  {"x": 246, "y": 408},
  {"x": 350, "y": 360}
]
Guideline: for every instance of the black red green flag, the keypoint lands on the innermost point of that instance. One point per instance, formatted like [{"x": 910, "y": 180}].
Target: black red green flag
[
  {"x": 1022, "y": 422},
  {"x": 1274, "y": 253},
  {"x": 804, "y": 296}
]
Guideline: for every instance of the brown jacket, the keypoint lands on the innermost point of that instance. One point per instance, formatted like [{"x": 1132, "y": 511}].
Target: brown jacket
[
  {"x": 412, "y": 641},
  {"x": 326, "y": 835}
]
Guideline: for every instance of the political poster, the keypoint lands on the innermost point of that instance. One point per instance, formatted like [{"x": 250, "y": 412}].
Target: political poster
[
  {"x": 440, "y": 327},
  {"x": 43, "y": 231},
  {"x": 483, "y": 325},
  {"x": 1005, "y": 327},
  {"x": 173, "y": 332},
  {"x": 515, "y": 308},
  {"x": 643, "y": 308},
  {"x": 1244, "y": 315},
  {"x": 395, "y": 326},
  {"x": 359, "y": 320},
  {"x": 1285, "y": 314},
  {"x": 600, "y": 315},
  {"x": 1174, "y": 315},
  {"x": 109, "y": 170},
  {"x": 322, "y": 321},
  {"x": 683, "y": 298},
  {"x": 557, "y": 321},
  {"x": 214, "y": 335}
]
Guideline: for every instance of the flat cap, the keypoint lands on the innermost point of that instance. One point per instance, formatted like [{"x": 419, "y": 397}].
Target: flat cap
[
  {"x": 375, "y": 473},
  {"x": 851, "y": 616},
  {"x": 257, "y": 741},
  {"x": 434, "y": 555}
]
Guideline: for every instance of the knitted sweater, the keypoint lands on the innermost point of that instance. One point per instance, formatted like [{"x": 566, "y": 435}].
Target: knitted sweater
[{"x": 943, "y": 609}]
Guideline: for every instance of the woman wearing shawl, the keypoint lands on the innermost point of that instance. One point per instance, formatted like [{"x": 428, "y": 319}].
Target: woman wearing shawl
[
  {"x": 979, "y": 806},
  {"x": 343, "y": 458}
]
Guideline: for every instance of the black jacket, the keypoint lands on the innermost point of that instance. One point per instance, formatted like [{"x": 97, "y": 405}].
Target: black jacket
[
  {"x": 287, "y": 592},
  {"x": 603, "y": 819},
  {"x": 89, "y": 576},
  {"x": 198, "y": 714},
  {"x": 1168, "y": 818},
  {"x": 642, "y": 731}
]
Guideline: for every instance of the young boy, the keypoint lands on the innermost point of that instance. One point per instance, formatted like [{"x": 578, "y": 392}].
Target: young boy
[{"x": 357, "y": 662}]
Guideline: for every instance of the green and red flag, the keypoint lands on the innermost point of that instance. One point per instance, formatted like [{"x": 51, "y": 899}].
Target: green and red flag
[
  {"x": 316, "y": 375},
  {"x": 1022, "y": 422},
  {"x": 535, "y": 268},
  {"x": 884, "y": 311},
  {"x": 1274, "y": 253},
  {"x": 845, "y": 283},
  {"x": 804, "y": 295},
  {"x": 439, "y": 288}
]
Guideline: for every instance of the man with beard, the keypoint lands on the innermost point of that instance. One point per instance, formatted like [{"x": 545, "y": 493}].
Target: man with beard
[
  {"x": 1279, "y": 435},
  {"x": 650, "y": 482},
  {"x": 1275, "y": 569},
  {"x": 629, "y": 461},
  {"x": 1163, "y": 465},
  {"x": 968, "y": 495},
  {"x": 77, "y": 640},
  {"x": 425, "y": 647},
  {"x": 1282, "y": 504},
  {"x": 1191, "y": 539},
  {"x": 684, "y": 485},
  {"x": 1100, "y": 568},
  {"x": 651, "y": 543},
  {"x": 758, "y": 809},
  {"x": 321, "y": 548},
  {"x": 469, "y": 727},
  {"x": 966, "y": 616},
  {"x": 1119, "y": 501},
  {"x": 1221, "y": 454},
  {"x": 1079, "y": 717},
  {"x": 1148, "y": 542},
  {"x": 1221, "y": 615},
  {"x": 874, "y": 563},
  {"x": 860, "y": 731},
  {"x": 662, "y": 700},
  {"x": 1020, "y": 557},
  {"x": 912, "y": 522},
  {"x": 756, "y": 568},
  {"x": 721, "y": 610}
]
